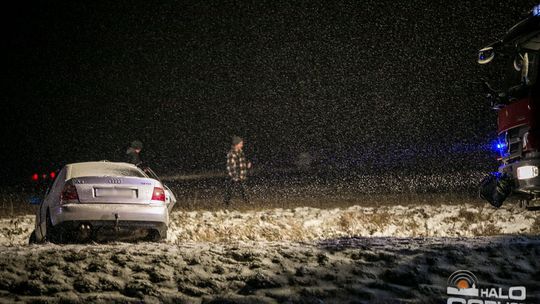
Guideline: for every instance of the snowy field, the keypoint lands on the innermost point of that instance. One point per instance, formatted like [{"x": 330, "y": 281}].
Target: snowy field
[{"x": 386, "y": 254}]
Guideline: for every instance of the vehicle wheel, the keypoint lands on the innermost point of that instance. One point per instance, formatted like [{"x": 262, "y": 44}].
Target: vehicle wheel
[
  {"x": 164, "y": 237},
  {"x": 52, "y": 234},
  {"x": 523, "y": 203},
  {"x": 154, "y": 236},
  {"x": 32, "y": 239}
]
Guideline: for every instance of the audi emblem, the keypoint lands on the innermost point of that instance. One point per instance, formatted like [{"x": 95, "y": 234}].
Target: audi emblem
[{"x": 114, "y": 181}]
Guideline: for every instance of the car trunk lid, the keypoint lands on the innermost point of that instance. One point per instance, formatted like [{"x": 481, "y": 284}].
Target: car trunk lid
[{"x": 121, "y": 190}]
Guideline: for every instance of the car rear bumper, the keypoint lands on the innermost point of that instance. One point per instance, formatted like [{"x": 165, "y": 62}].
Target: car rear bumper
[
  {"x": 100, "y": 222},
  {"x": 112, "y": 230},
  {"x": 123, "y": 213}
]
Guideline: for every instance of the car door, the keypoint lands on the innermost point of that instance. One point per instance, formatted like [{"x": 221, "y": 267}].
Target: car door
[
  {"x": 170, "y": 199},
  {"x": 52, "y": 197}
]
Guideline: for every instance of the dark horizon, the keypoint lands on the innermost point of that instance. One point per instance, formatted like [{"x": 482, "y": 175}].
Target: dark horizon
[{"x": 341, "y": 79}]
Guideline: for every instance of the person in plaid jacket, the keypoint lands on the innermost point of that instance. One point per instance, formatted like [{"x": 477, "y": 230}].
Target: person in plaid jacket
[{"x": 237, "y": 168}]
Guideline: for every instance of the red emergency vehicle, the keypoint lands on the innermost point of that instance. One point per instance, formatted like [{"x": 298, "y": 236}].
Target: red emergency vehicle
[{"x": 516, "y": 98}]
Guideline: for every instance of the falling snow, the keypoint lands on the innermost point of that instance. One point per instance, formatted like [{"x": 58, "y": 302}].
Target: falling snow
[{"x": 365, "y": 122}]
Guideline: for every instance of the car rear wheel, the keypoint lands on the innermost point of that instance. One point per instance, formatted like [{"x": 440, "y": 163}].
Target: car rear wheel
[
  {"x": 164, "y": 236},
  {"x": 155, "y": 236},
  {"x": 32, "y": 239}
]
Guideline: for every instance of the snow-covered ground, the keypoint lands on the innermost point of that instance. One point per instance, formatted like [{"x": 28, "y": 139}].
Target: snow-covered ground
[{"x": 386, "y": 254}]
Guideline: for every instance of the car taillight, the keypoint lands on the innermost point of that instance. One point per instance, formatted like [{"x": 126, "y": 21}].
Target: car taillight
[
  {"x": 35, "y": 177},
  {"x": 69, "y": 194},
  {"x": 158, "y": 194}
]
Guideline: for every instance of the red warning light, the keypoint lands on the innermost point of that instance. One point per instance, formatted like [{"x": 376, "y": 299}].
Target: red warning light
[
  {"x": 35, "y": 177},
  {"x": 52, "y": 175}
]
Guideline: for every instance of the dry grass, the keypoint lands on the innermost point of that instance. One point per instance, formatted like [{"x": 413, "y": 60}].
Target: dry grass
[
  {"x": 414, "y": 226},
  {"x": 468, "y": 216},
  {"x": 535, "y": 228},
  {"x": 9, "y": 209},
  {"x": 488, "y": 230},
  {"x": 215, "y": 203},
  {"x": 346, "y": 221}
]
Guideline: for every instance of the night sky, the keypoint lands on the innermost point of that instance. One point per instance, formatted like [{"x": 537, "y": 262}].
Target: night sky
[{"x": 344, "y": 79}]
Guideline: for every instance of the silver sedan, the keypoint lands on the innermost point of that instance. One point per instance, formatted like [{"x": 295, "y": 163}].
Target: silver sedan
[{"x": 101, "y": 201}]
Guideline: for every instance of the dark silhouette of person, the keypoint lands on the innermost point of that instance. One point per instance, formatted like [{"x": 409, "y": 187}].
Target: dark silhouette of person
[
  {"x": 134, "y": 153},
  {"x": 237, "y": 169}
]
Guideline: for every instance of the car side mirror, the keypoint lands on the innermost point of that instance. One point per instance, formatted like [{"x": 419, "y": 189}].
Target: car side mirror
[
  {"x": 486, "y": 55},
  {"x": 35, "y": 200}
]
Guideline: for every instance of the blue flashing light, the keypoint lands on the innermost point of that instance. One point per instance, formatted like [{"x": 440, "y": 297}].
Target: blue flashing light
[
  {"x": 536, "y": 10},
  {"x": 500, "y": 146}
]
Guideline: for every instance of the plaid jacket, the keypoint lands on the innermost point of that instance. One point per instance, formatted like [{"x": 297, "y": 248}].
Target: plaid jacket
[{"x": 237, "y": 165}]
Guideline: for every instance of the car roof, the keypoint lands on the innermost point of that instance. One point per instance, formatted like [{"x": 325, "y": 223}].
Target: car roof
[{"x": 87, "y": 168}]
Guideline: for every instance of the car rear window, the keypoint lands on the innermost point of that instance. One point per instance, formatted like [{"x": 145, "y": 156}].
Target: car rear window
[{"x": 104, "y": 169}]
